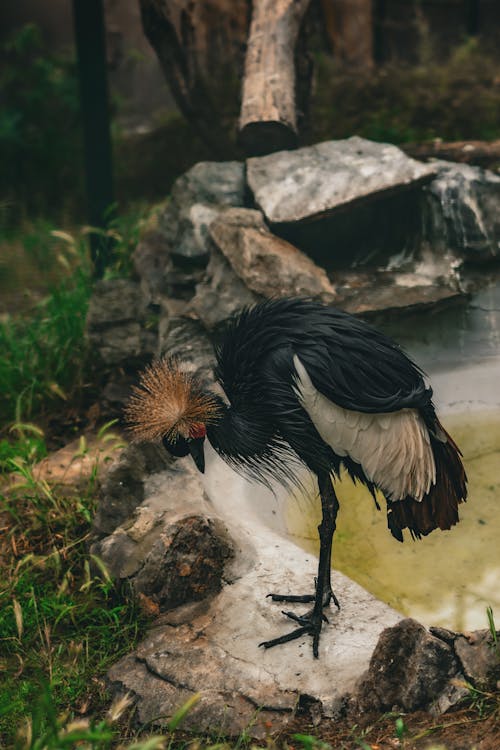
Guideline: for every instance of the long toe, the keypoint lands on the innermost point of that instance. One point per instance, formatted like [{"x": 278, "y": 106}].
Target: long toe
[
  {"x": 301, "y": 599},
  {"x": 285, "y": 638}
]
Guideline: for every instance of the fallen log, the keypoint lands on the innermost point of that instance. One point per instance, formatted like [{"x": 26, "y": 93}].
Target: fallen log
[
  {"x": 268, "y": 117},
  {"x": 478, "y": 153}
]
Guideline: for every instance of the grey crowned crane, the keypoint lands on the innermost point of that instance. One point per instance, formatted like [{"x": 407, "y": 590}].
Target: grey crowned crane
[{"x": 309, "y": 382}]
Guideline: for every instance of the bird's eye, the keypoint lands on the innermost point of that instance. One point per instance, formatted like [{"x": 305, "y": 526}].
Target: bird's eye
[{"x": 179, "y": 448}]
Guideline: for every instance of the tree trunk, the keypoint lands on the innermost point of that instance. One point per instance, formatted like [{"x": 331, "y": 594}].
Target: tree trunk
[
  {"x": 200, "y": 45},
  {"x": 268, "y": 117},
  {"x": 349, "y": 27}
]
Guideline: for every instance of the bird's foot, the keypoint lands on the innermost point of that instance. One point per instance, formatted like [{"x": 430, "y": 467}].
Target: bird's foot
[{"x": 310, "y": 624}]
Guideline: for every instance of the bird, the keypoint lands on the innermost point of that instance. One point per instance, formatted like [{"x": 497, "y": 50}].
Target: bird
[{"x": 304, "y": 384}]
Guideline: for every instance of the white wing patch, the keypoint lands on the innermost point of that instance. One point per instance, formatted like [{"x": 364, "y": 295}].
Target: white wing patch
[{"x": 393, "y": 449}]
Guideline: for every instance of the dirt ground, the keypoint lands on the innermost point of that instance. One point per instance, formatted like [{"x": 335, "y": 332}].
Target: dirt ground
[{"x": 459, "y": 730}]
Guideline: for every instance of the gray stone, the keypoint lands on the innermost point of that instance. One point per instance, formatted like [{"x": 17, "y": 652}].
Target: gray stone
[
  {"x": 463, "y": 211},
  {"x": 122, "y": 489},
  {"x": 220, "y": 183},
  {"x": 409, "y": 669},
  {"x": 268, "y": 265},
  {"x": 120, "y": 323},
  {"x": 174, "y": 248},
  {"x": 480, "y": 658},
  {"x": 193, "y": 232},
  {"x": 187, "y": 340},
  {"x": 124, "y": 344},
  {"x": 292, "y": 186},
  {"x": 115, "y": 301},
  {"x": 196, "y": 198},
  {"x": 150, "y": 257},
  {"x": 220, "y": 293}
]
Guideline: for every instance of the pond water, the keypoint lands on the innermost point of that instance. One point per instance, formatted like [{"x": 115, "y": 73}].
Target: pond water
[{"x": 447, "y": 578}]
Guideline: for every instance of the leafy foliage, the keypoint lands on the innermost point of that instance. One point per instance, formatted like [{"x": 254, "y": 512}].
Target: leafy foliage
[
  {"x": 40, "y": 144},
  {"x": 457, "y": 99}
]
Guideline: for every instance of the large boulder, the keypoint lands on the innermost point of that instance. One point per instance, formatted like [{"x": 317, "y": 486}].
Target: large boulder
[
  {"x": 342, "y": 201},
  {"x": 211, "y": 646},
  {"x": 324, "y": 178}
]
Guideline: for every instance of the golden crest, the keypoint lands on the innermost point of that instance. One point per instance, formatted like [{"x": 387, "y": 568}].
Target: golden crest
[{"x": 168, "y": 402}]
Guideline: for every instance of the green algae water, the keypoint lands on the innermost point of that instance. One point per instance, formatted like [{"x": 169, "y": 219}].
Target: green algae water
[{"x": 447, "y": 578}]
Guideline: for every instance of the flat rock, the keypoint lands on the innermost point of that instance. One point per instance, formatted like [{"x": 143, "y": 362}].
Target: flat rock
[
  {"x": 291, "y": 186},
  {"x": 387, "y": 294},
  {"x": 122, "y": 488}
]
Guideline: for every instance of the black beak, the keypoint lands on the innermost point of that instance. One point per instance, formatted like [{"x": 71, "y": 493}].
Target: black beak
[{"x": 198, "y": 454}]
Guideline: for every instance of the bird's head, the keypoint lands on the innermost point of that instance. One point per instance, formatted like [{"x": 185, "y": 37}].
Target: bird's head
[{"x": 169, "y": 405}]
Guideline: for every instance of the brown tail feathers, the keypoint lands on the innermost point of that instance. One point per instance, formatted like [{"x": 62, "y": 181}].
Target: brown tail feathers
[{"x": 439, "y": 508}]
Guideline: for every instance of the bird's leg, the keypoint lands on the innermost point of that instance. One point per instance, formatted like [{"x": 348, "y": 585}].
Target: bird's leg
[{"x": 312, "y": 621}]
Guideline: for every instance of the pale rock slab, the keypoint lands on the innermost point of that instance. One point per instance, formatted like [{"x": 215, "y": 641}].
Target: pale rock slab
[
  {"x": 292, "y": 186},
  {"x": 212, "y": 646}
]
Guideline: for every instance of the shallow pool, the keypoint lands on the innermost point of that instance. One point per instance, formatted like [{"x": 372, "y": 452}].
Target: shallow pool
[{"x": 447, "y": 578}]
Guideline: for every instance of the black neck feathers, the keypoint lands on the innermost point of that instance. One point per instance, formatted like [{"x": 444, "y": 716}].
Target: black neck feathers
[{"x": 248, "y": 443}]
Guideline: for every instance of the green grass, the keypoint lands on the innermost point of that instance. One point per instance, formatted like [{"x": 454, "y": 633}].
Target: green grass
[
  {"x": 42, "y": 356},
  {"x": 43, "y": 352},
  {"x": 63, "y": 621}
]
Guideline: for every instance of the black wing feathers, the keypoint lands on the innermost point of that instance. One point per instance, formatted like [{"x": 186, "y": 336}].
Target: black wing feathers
[{"x": 348, "y": 361}]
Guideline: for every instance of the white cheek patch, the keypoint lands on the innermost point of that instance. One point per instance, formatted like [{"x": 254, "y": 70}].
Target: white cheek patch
[{"x": 393, "y": 449}]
